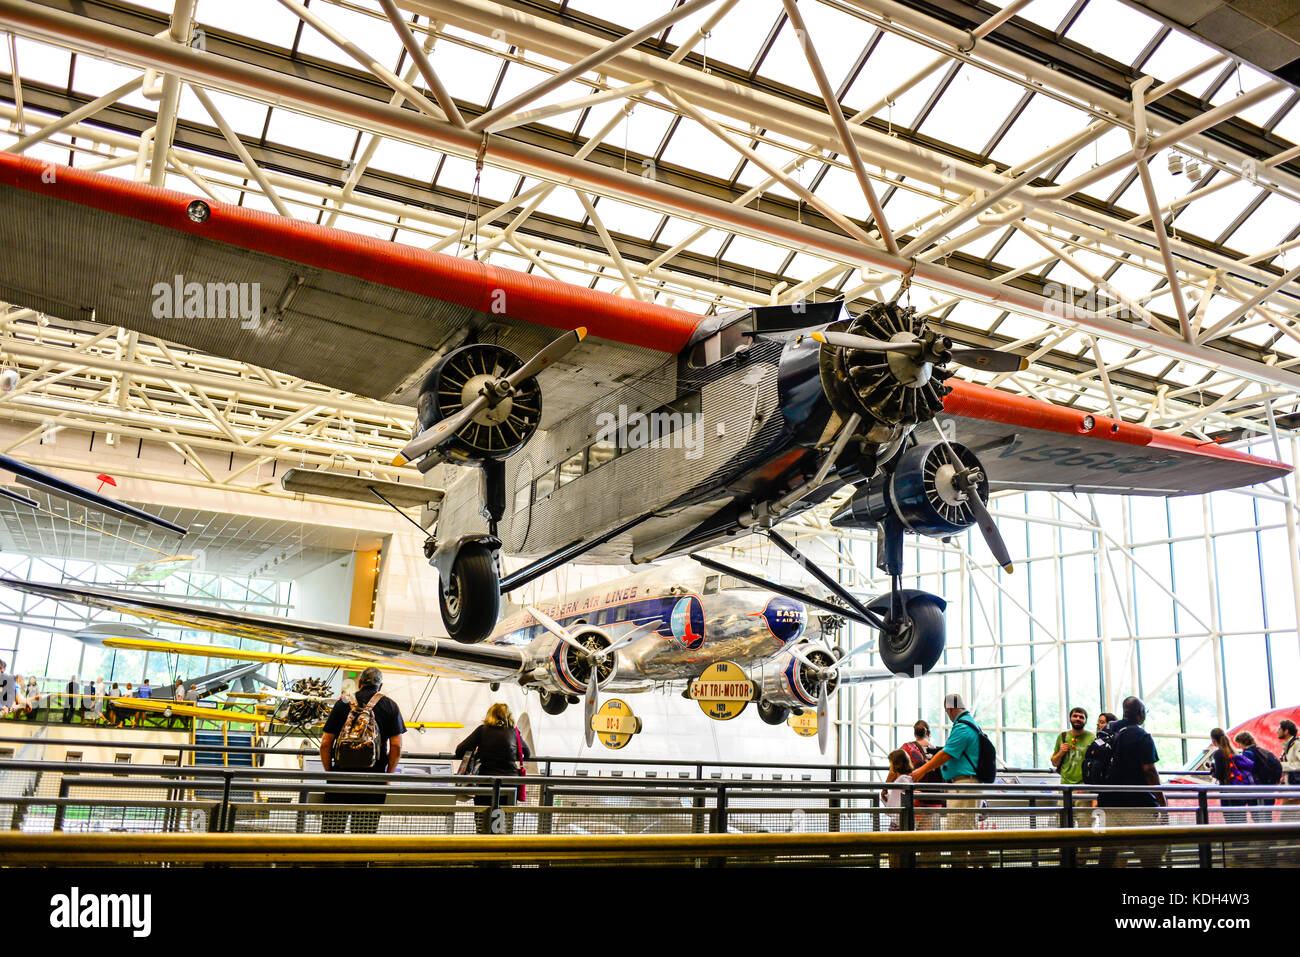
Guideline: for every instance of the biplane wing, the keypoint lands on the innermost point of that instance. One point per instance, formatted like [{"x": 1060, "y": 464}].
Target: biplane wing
[
  {"x": 243, "y": 654},
  {"x": 182, "y": 709}
]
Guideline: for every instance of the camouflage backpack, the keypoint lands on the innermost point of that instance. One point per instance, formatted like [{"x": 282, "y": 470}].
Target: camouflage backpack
[{"x": 357, "y": 746}]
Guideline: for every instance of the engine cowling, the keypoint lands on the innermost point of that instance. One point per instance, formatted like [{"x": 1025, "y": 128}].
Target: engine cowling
[
  {"x": 919, "y": 492},
  {"x": 567, "y": 670},
  {"x": 791, "y": 683},
  {"x": 500, "y": 429}
]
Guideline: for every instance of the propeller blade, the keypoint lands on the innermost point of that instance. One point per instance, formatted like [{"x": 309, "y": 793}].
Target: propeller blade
[
  {"x": 847, "y": 341},
  {"x": 865, "y": 646},
  {"x": 990, "y": 360},
  {"x": 441, "y": 432},
  {"x": 992, "y": 537},
  {"x": 806, "y": 660},
  {"x": 556, "y": 351},
  {"x": 558, "y": 630},
  {"x": 629, "y": 638},
  {"x": 823, "y": 717},
  {"x": 590, "y": 705}
]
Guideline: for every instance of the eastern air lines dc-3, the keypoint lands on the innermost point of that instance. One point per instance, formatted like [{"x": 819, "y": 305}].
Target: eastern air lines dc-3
[{"x": 759, "y": 413}]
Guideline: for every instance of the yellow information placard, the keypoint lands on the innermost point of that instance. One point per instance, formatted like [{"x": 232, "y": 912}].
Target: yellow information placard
[
  {"x": 615, "y": 723},
  {"x": 722, "y": 690},
  {"x": 805, "y": 725}
]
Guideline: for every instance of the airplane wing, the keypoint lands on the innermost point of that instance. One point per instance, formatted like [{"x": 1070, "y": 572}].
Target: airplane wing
[
  {"x": 1027, "y": 445},
  {"x": 327, "y": 301},
  {"x": 431, "y": 656},
  {"x": 857, "y": 676}
]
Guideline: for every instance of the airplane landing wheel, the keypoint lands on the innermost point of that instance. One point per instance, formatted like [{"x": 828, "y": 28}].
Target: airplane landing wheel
[
  {"x": 919, "y": 645},
  {"x": 470, "y": 599},
  {"x": 552, "y": 703},
  {"x": 773, "y": 713}
]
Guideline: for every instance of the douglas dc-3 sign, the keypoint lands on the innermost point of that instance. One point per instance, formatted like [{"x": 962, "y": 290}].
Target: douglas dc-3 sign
[{"x": 757, "y": 414}]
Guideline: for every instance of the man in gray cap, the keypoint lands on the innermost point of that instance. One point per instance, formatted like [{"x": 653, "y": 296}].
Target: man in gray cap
[
  {"x": 389, "y": 726},
  {"x": 957, "y": 762}
]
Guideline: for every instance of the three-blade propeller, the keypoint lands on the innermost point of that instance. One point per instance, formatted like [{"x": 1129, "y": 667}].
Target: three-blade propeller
[
  {"x": 967, "y": 480},
  {"x": 989, "y": 360},
  {"x": 491, "y": 394},
  {"x": 823, "y": 674}
]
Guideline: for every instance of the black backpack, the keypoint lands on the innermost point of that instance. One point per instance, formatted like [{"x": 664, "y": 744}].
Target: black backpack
[
  {"x": 1268, "y": 769},
  {"x": 1099, "y": 759},
  {"x": 986, "y": 766}
]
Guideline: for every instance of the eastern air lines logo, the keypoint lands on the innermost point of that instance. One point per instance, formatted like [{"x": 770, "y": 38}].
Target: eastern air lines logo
[
  {"x": 687, "y": 622},
  {"x": 785, "y": 618}
]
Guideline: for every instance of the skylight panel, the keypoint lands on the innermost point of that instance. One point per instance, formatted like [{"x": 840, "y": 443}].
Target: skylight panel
[
  {"x": 805, "y": 266},
  {"x": 1114, "y": 143},
  {"x": 96, "y": 77},
  {"x": 1267, "y": 226},
  {"x": 1015, "y": 326},
  {"x": 709, "y": 243},
  {"x": 891, "y": 62},
  {"x": 274, "y": 23},
  {"x": 415, "y": 162},
  {"x": 1047, "y": 13},
  {"x": 693, "y": 147},
  {"x": 310, "y": 134},
  {"x": 469, "y": 75},
  {"x": 520, "y": 79},
  {"x": 1177, "y": 53},
  {"x": 563, "y": 203},
  {"x": 632, "y": 16},
  {"x": 751, "y": 174},
  {"x": 1289, "y": 126},
  {"x": 626, "y": 219},
  {"x": 971, "y": 109},
  {"x": 980, "y": 246},
  {"x": 642, "y": 130},
  {"x": 737, "y": 39},
  {"x": 1168, "y": 186},
  {"x": 754, "y": 254},
  {"x": 840, "y": 188},
  {"x": 374, "y": 35},
  {"x": 1132, "y": 281},
  {"x": 1113, "y": 29},
  {"x": 1258, "y": 335},
  {"x": 1044, "y": 123},
  {"x": 495, "y": 184},
  {"x": 42, "y": 63},
  {"x": 675, "y": 230},
  {"x": 1209, "y": 216},
  {"x": 1245, "y": 79},
  {"x": 906, "y": 207},
  {"x": 978, "y": 315},
  {"x": 837, "y": 37},
  {"x": 1019, "y": 251},
  {"x": 244, "y": 116}
]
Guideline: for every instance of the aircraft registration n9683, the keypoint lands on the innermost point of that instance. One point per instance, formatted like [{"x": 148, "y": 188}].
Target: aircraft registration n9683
[{"x": 638, "y": 433}]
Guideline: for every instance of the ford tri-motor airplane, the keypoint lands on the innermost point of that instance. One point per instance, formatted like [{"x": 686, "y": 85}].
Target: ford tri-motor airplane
[
  {"x": 643, "y": 432},
  {"x": 669, "y": 623}
]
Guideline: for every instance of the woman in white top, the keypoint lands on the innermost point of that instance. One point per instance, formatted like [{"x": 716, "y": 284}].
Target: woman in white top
[{"x": 96, "y": 712}]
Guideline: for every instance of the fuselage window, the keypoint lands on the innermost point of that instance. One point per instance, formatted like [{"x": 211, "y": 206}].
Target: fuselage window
[
  {"x": 707, "y": 352},
  {"x": 545, "y": 485},
  {"x": 572, "y": 467},
  {"x": 711, "y": 585},
  {"x": 601, "y": 451}
]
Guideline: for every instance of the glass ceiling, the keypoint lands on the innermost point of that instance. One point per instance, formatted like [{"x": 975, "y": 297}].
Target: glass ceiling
[{"x": 975, "y": 110}]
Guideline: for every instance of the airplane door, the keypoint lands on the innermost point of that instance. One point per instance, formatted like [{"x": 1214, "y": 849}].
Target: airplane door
[{"x": 521, "y": 506}]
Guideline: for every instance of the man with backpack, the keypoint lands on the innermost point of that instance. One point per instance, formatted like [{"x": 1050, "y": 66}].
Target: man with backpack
[
  {"x": 362, "y": 734},
  {"x": 1124, "y": 753},
  {"x": 960, "y": 761}
]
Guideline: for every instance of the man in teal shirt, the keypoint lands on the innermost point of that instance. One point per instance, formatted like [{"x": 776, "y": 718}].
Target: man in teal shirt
[
  {"x": 1071, "y": 746},
  {"x": 957, "y": 762}
]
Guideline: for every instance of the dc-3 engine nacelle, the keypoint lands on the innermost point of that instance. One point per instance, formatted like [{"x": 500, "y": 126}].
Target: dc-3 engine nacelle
[
  {"x": 790, "y": 683},
  {"x": 567, "y": 671}
]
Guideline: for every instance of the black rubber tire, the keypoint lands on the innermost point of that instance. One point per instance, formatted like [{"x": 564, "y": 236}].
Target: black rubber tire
[
  {"x": 470, "y": 612},
  {"x": 552, "y": 702},
  {"x": 923, "y": 643},
  {"x": 773, "y": 714}
]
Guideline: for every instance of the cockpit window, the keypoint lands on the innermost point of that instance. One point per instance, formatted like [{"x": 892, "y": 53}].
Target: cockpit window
[{"x": 711, "y": 585}]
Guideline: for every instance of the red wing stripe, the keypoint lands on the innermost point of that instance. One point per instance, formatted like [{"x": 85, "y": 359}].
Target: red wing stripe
[
  {"x": 980, "y": 402},
  {"x": 462, "y": 282}
]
